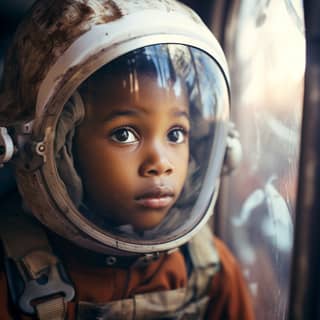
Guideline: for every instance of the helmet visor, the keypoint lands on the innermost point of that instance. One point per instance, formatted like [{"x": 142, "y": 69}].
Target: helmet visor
[{"x": 163, "y": 112}]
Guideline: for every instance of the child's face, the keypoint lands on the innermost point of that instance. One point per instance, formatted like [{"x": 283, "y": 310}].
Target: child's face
[{"x": 132, "y": 151}]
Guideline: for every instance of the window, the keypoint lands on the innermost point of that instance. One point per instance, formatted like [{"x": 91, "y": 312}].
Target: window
[{"x": 265, "y": 46}]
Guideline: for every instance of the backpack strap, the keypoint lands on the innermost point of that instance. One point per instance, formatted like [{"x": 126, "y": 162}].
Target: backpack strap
[
  {"x": 37, "y": 281},
  {"x": 205, "y": 261}
]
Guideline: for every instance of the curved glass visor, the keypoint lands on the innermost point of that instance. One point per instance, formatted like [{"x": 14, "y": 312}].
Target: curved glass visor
[{"x": 150, "y": 148}]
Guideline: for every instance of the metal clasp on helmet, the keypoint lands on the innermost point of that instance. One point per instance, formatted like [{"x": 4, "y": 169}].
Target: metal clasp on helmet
[{"x": 7, "y": 148}]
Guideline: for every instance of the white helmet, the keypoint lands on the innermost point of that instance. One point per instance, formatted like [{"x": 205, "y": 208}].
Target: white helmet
[{"x": 62, "y": 43}]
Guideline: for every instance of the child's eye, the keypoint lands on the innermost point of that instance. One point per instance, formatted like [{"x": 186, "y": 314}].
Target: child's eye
[
  {"x": 177, "y": 135},
  {"x": 124, "y": 135}
]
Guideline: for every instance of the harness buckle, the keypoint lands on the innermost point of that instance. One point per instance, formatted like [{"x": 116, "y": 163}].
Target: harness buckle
[{"x": 52, "y": 282}]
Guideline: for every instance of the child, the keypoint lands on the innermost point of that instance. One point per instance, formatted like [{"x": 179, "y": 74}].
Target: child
[{"x": 120, "y": 164}]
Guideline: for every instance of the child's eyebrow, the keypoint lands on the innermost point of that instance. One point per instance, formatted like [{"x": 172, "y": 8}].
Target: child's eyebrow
[
  {"x": 181, "y": 113},
  {"x": 121, "y": 113}
]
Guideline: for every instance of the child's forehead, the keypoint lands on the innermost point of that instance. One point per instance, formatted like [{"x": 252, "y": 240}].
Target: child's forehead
[{"x": 137, "y": 95}]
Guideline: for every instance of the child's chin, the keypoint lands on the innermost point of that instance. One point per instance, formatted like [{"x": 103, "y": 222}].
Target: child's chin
[{"x": 147, "y": 224}]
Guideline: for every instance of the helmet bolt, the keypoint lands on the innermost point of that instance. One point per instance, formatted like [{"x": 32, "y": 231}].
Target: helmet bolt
[
  {"x": 41, "y": 148},
  {"x": 110, "y": 261}
]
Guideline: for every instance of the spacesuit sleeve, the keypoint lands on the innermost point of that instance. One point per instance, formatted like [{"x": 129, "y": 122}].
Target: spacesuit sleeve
[{"x": 230, "y": 298}]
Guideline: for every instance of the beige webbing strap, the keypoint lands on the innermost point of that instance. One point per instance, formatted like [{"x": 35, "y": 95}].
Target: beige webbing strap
[
  {"x": 202, "y": 250},
  {"x": 152, "y": 305},
  {"x": 54, "y": 309},
  {"x": 26, "y": 245},
  {"x": 206, "y": 263},
  {"x": 169, "y": 304}
]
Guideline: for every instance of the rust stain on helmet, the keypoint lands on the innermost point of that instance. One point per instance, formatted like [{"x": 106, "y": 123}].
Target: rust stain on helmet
[{"x": 45, "y": 33}]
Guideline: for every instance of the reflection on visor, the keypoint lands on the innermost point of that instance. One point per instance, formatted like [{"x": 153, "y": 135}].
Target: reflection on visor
[{"x": 182, "y": 81}]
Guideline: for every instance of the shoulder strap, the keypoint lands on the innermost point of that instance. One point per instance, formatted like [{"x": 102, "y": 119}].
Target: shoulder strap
[
  {"x": 204, "y": 259},
  {"x": 202, "y": 250},
  {"x": 36, "y": 278}
]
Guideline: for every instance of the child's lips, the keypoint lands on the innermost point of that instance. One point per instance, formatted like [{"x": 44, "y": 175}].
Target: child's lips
[
  {"x": 155, "y": 203},
  {"x": 156, "y": 198}
]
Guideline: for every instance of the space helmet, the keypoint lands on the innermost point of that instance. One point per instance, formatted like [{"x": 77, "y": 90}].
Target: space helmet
[{"x": 57, "y": 48}]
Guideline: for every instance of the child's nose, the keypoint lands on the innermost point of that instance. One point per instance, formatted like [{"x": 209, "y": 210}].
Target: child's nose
[{"x": 156, "y": 162}]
